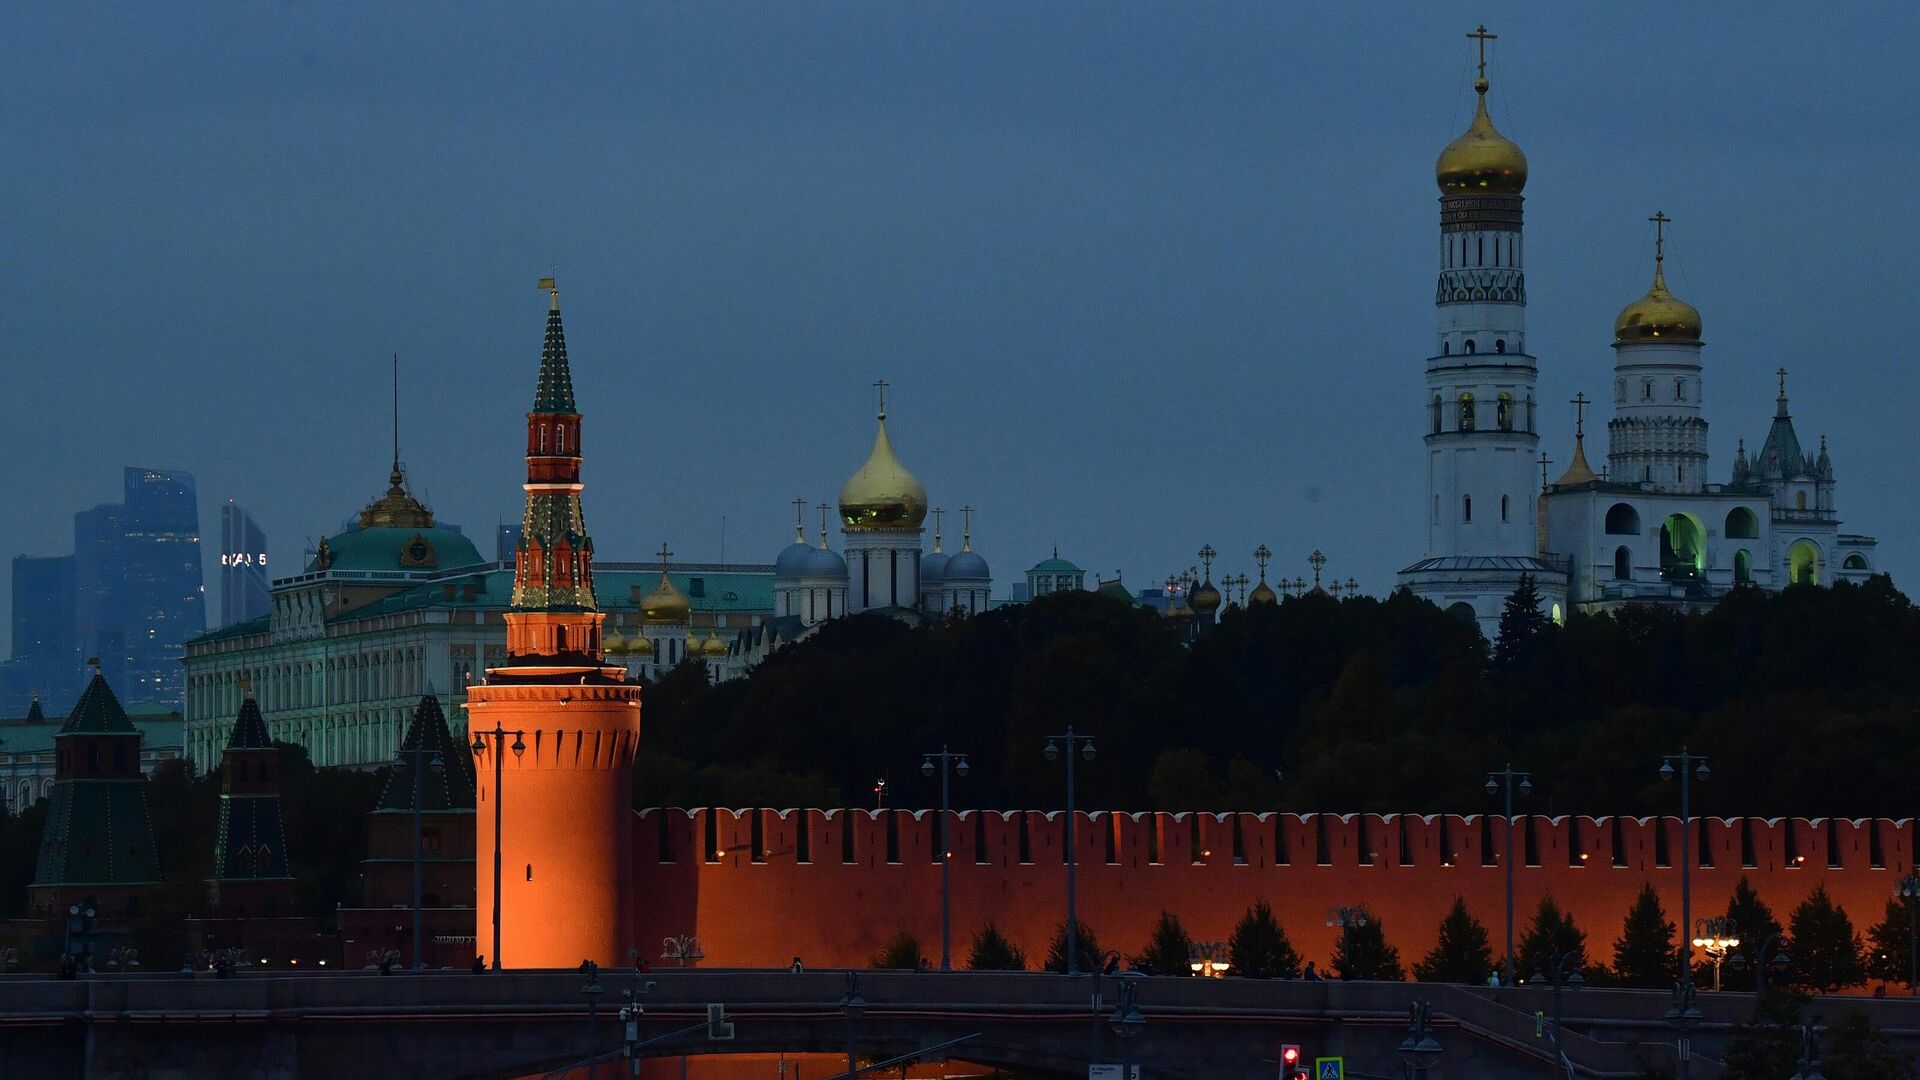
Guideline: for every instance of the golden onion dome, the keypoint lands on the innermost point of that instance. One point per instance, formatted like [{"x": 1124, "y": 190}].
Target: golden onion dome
[
  {"x": 1657, "y": 316},
  {"x": 665, "y": 604},
  {"x": 611, "y": 643},
  {"x": 1481, "y": 160},
  {"x": 1262, "y": 594},
  {"x": 882, "y": 494},
  {"x": 1206, "y": 598},
  {"x": 639, "y": 646},
  {"x": 714, "y": 646}
]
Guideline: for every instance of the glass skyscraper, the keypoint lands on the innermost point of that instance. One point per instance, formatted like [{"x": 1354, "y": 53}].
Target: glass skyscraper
[
  {"x": 138, "y": 593},
  {"x": 243, "y": 566}
]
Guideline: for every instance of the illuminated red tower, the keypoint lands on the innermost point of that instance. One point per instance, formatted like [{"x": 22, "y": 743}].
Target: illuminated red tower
[{"x": 554, "y": 730}]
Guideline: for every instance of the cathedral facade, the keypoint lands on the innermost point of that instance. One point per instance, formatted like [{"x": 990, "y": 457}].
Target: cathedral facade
[{"x": 1651, "y": 526}]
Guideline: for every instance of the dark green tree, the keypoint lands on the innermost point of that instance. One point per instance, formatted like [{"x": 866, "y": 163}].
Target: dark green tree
[
  {"x": 1646, "y": 955},
  {"x": 1258, "y": 946},
  {"x": 1759, "y": 933},
  {"x": 1362, "y": 951},
  {"x": 1889, "y": 946},
  {"x": 991, "y": 951},
  {"x": 1856, "y": 1050},
  {"x": 1551, "y": 934},
  {"x": 1462, "y": 954},
  {"x": 902, "y": 951},
  {"x": 1085, "y": 945},
  {"x": 1168, "y": 948},
  {"x": 1524, "y": 629},
  {"x": 1767, "y": 1046},
  {"x": 1826, "y": 952}
]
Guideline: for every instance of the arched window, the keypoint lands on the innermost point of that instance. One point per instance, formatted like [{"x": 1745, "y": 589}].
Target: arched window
[
  {"x": 1466, "y": 508},
  {"x": 1466, "y": 406},
  {"x": 543, "y": 438},
  {"x": 1803, "y": 563},
  {"x": 1462, "y": 611},
  {"x": 1855, "y": 561},
  {"x": 1646, "y": 389},
  {"x": 1742, "y": 524},
  {"x": 1470, "y": 347},
  {"x": 1622, "y": 564},
  {"x": 1623, "y": 520},
  {"x": 1503, "y": 508},
  {"x": 1446, "y": 348},
  {"x": 1503, "y": 411},
  {"x": 1437, "y": 406},
  {"x": 1499, "y": 345},
  {"x": 1799, "y": 500},
  {"x": 1679, "y": 389},
  {"x": 560, "y": 438},
  {"x": 1742, "y": 566}
]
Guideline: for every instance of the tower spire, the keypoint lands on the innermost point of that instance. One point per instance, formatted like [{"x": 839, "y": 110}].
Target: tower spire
[
  {"x": 554, "y": 392},
  {"x": 938, "y": 513},
  {"x": 396, "y": 417},
  {"x": 553, "y": 565}
]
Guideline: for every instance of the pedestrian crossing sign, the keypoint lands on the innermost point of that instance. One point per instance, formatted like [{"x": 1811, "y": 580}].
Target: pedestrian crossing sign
[{"x": 1330, "y": 1068}]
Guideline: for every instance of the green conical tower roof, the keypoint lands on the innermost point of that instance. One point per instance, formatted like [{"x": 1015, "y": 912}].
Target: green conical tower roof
[
  {"x": 445, "y": 786},
  {"x": 98, "y": 712},
  {"x": 554, "y": 394},
  {"x": 249, "y": 729}
]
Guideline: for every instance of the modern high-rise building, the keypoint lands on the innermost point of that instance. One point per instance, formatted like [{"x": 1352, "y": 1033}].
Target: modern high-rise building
[
  {"x": 243, "y": 566},
  {"x": 138, "y": 591},
  {"x": 45, "y": 661}
]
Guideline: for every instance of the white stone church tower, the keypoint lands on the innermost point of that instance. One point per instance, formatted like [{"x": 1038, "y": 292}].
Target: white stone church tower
[{"x": 1481, "y": 440}]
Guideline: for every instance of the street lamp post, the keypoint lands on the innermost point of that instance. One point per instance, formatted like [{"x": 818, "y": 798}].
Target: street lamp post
[
  {"x": 1683, "y": 1015},
  {"x": 1421, "y": 1049},
  {"x": 499, "y": 737},
  {"x": 1909, "y": 890},
  {"x": 1809, "y": 1054},
  {"x": 400, "y": 759},
  {"x": 1562, "y": 972},
  {"x": 1497, "y": 782},
  {"x": 1690, "y": 765},
  {"x": 851, "y": 1003},
  {"x": 1769, "y": 955},
  {"x": 1085, "y": 743},
  {"x": 1716, "y": 936},
  {"x": 950, "y": 764}
]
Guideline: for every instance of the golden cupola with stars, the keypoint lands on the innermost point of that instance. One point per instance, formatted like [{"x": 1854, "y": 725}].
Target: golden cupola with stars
[
  {"x": 883, "y": 493},
  {"x": 1659, "y": 315},
  {"x": 1481, "y": 160}
]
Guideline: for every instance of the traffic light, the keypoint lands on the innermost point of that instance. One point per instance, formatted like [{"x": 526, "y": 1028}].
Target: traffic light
[{"x": 1290, "y": 1066}]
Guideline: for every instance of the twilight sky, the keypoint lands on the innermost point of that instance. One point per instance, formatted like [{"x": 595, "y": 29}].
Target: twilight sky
[{"x": 1142, "y": 276}]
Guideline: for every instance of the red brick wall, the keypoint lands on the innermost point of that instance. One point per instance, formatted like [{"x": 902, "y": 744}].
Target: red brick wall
[{"x": 1133, "y": 866}]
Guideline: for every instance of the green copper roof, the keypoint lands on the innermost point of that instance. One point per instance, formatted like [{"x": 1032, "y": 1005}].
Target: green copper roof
[
  {"x": 252, "y": 843},
  {"x": 555, "y": 392},
  {"x": 1056, "y": 565},
  {"x": 98, "y": 712},
  {"x": 257, "y": 625},
  {"x": 249, "y": 730},
  {"x": 97, "y": 833},
  {"x": 1118, "y": 591},
  {"x": 443, "y": 787},
  {"x": 386, "y": 548}
]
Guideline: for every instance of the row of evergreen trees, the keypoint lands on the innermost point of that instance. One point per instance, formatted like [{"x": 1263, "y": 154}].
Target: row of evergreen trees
[{"x": 1821, "y": 950}]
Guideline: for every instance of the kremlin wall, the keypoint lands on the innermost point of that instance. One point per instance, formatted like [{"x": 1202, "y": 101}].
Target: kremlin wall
[{"x": 759, "y": 887}]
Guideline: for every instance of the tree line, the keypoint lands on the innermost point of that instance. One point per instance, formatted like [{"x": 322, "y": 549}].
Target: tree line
[{"x": 1806, "y": 702}]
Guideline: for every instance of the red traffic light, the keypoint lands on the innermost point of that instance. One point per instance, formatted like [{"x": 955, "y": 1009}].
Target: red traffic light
[{"x": 1289, "y": 1055}]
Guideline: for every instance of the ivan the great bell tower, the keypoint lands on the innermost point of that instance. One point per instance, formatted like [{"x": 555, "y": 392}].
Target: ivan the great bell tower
[{"x": 556, "y": 728}]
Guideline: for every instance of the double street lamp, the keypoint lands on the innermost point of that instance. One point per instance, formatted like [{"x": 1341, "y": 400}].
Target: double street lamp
[
  {"x": 1085, "y": 744},
  {"x": 1769, "y": 955},
  {"x": 418, "y": 753},
  {"x": 499, "y": 737},
  {"x": 951, "y": 764},
  {"x": 1909, "y": 890},
  {"x": 1690, "y": 765},
  {"x": 1716, "y": 936},
  {"x": 1505, "y": 780}
]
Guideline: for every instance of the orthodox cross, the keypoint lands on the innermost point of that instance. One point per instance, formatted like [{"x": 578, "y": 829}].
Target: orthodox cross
[
  {"x": 824, "y": 507},
  {"x": 1544, "y": 462},
  {"x": 1353, "y": 587},
  {"x": 664, "y": 556},
  {"x": 1660, "y": 222},
  {"x": 1316, "y": 560},
  {"x": 799, "y": 522},
  {"x": 1480, "y": 35},
  {"x": 1783, "y": 383},
  {"x": 937, "y": 515},
  {"x": 1580, "y": 401},
  {"x": 1261, "y": 555},
  {"x": 1206, "y": 554},
  {"x": 966, "y": 528},
  {"x": 880, "y": 385}
]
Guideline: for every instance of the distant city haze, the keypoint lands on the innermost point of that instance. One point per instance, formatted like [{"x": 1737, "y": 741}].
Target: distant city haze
[{"x": 1141, "y": 278}]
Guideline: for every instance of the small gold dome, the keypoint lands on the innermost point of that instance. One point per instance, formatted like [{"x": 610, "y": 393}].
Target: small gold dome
[
  {"x": 714, "y": 646},
  {"x": 1206, "y": 598},
  {"x": 665, "y": 604},
  {"x": 639, "y": 646},
  {"x": 611, "y": 643},
  {"x": 1482, "y": 160},
  {"x": 1657, "y": 316},
  {"x": 1262, "y": 594},
  {"x": 882, "y": 494}
]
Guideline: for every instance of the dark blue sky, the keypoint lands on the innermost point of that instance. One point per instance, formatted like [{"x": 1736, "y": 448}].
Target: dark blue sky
[{"x": 1143, "y": 277}]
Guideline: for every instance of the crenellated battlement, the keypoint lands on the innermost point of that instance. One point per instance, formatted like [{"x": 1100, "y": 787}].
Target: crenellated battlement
[{"x": 751, "y": 883}]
